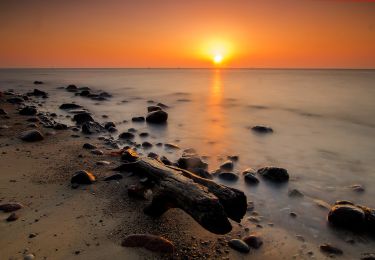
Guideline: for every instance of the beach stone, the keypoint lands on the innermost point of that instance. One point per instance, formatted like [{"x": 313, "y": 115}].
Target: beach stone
[
  {"x": 71, "y": 88},
  {"x": 330, "y": 249},
  {"x": 162, "y": 105},
  {"x": 200, "y": 172},
  {"x": 31, "y": 136},
  {"x": 10, "y": 207},
  {"x": 357, "y": 188},
  {"x": 97, "y": 152},
  {"x": 15, "y": 100},
  {"x": 37, "y": 82},
  {"x": 233, "y": 158},
  {"x": 229, "y": 176},
  {"x": 150, "y": 242},
  {"x": 186, "y": 162},
  {"x": 144, "y": 134},
  {"x": 84, "y": 93},
  {"x": 116, "y": 176},
  {"x": 153, "y": 155},
  {"x": 129, "y": 155},
  {"x": 262, "y": 129},
  {"x": 239, "y": 245},
  {"x": 2, "y": 112},
  {"x": 347, "y": 215},
  {"x": 109, "y": 124},
  {"x": 368, "y": 256},
  {"x": 295, "y": 193},
  {"x": 171, "y": 146},
  {"x": 90, "y": 127},
  {"x": 89, "y": 146},
  {"x": 29, "y": 257},
  {"x": 157, "y": 117},
  {"x": 250, "y": 178},
  {"x": 38, "y": 93},
  {"x": 227, "y": 166},
  {"x": 82, "y": 118},
  {"x": 253, "y": 240},
  {"x": 165, "y": 160},
  {"x": 274, "y": 174},
  {"x": 132, "y": 130},
  {"x": 153, "y": 108},
  {"x": 28, "y": 111},
  {"x": 112, "y": 129},
  {"x": 146, "y": 145},
  {"x": 83, "y": 177},
  {"x": 69, "y": 106},
  {"x": 12, "y": 217},
  {"x": 60, "y": 126},
  {"x": 138, "y": 119},
  {"x": 126, "y": 135}
]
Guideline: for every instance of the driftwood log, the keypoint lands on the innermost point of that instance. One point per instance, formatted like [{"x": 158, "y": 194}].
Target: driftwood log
[{"x": 209, "y": 203}]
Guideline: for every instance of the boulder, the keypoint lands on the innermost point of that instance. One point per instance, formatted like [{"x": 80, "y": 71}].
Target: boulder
[
  {"x": 157, "y": 117},
  {"x": 28, "y": 111},
  {"x": 69, "y": 106},
  {"x": 31, "y": 136},
  {"x": 82, "y": 118},
  {"x": 150, "y": 242},
  {"x": 347, "y": 215},
  {"x": 83, "y": 177},
  {"x": 274, "y": 174},
  {"x": 239, "y": 245}
]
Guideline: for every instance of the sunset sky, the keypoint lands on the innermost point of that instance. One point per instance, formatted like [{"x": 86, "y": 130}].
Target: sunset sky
[{"x": 174, "y": 33}]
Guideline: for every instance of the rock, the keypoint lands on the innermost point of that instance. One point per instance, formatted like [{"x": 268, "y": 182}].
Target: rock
[
  {"x": 165, "y": 160},
  {"x": 60, "y": 126},
  {"x": 112, "y": 129},
  {"x": 229, "y": 176},
  {"x": 10, "y": 207},
  {"x": 233, "y": 158},
  {"x": 116, "y": 176},
  {"x": 239, "y": 245},
  {"x": 348, "y": 216},
  {"x": 15, "y": 100},
  {"x": 144, "y": 134},
  {"x": 37, "y": 82},
  {"x": 150, "y": 242},
  {"x": 13, "y": 217},
  {"x": 132, "y": 130},
  {"x": 32, "y": 235},
  {"x": 66, "y": 106},
  {"x": 171, "y": 146},
  {"x": 137, "y": 191},
  {"x": 29, "y": 257},
  {"x": 38, "y": 93},
  {"x": 187, "y": 162},
  {"x": 146, "y": 145},
  {"x": 250, "y": 178},
  {"x": 83, "y": 177},
  {"x": 28, "y": 111},
  {"x": 295, "y": 193},
  {"x": 129, "y": 155},
  {"x": 327, "y": 248},
  {"x": 126, "y": 135},
  {"x": 274, "y": 174},
  {"x": 82, "y": 118},
  {"x": 90, "y": 127},
  {"x": 71, "y": 88},
  {"x": 368, "y": 256},
  {"x": 102, "y": 163},
  {"x": 227, "y": 166},
  {"x": 31, "y": 136},
  {"x": 109, "y": 124},
  {"x": 153, "y": 108},
  {"x": 138, "y": 119},
  {"x": 2, "y": 112},
  {"x": 162, "y": 105},
  {"x": 157, "y": 117},
  {"x": 153, "y": 155},
  {"x": 89, "y": 146},
  {"x": 84, "y": 93},
  {"x": 253, "y": 240},
  {"x": 97, "y": 152},
  {"x": 357, "y": 188},
  {"x": 200, "y": 172},
  {"x": 262, "y": 129}
]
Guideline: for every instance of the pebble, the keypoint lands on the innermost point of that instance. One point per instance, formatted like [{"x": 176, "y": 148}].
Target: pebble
[
  {"x": 31, "y": 136},
  {"x": 29, "y": 257},
  {"x": 239, "y": 245},
  {"x": 327, "y": 248},
  {"x": 83, "y": 177},
  {"x": 253, "y": 240},
  {"x": 13, "y": 217}
]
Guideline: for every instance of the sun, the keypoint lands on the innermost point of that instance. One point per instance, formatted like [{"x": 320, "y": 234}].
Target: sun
[{"x": 218, "y": 58}]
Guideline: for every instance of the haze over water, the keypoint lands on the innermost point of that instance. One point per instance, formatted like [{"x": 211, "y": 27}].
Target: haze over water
[{"x": 323, "y": 121}]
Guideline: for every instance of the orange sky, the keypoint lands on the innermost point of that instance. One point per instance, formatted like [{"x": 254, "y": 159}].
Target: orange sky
[{"x": 187, "y": 33}]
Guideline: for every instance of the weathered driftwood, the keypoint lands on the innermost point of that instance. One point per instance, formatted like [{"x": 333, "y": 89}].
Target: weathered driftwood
[{"x": 209, "y": 203}]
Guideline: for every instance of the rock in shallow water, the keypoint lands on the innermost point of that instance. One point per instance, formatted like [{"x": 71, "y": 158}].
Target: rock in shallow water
[
  {"x": 92, "y": 128},
  {"x": 274, "y": 174},
  {"x": 82, "y": 118},
  {"x": 10, "y": 207},
  {"x": 227, "y": 166},
  {"x": 253, "y": 240},
  {"x": 347, "y": 215},
  {"x": 239, "y": 245},
  {"x": 69, "y": 106},
  {"x": 31, "y": 136},
  {"x": 150, "y": 242},
  {"x": 229, "y": 176},
  {"x": 28, "y": 111},
  {"x": 157, "y": 117},
  {"x": 262, "y": 129},
  {"x": 327, "y": 248},
  {"x": 89, "y": 146},
  {"x": 153, "y": 108},
  {"x": 13, "y": 217},
  {"x": 250, "y": 178},
  {"x": 83, "y": 177},
  {"x": 126, "y": 135}
]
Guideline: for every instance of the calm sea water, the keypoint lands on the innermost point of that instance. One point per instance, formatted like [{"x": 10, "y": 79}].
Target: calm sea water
[{"x": 324, "y": 123}]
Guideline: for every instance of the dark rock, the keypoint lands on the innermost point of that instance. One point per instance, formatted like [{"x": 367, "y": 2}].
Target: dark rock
[
  {"x": 37, "y": 82},
  {"x": 89, "y": 146},
  {"x": 126, "y": 135},
  {"x": 200, "y": 172},
  {"x": 13, "y": 217},
  {"x": 254, "y": 241},
  {"x": 109, "y": 124},
  {"x": 171, "y": 146},
  {"x": 97, "y": 152},
  {"x": 28, "y": 111},
  {"x": 60, "y": 126},
  {"x": 132, "y": 130},
  {"x": 143, "y": 134},
  {"x": 83, "y": 177},
  {"x": 129, "y": 155},
  {"x": 327, "y": 248},
  {"x": 157, "y": 117},
  {"x": 138, "y": 119},
  {"x": 146, "y": 145},
  {"x": 116, "y": 176},
  {"x": 227, "y": 166},
  {"x": 10, "y": 207},
  {"x": 153, "y": 155},
  {"x": 15, "y": 100},
  {"x": 69, "y": 106},
  {"x": 233, "y": 158},
  {"x": 357, "y": 188},
  {"x": 31, "y": 136},
  {"x": 229, "y": 176},
  {"x": 71, "y": 88},
  {"x": 105, "y": 94},
  {"x": 38, "y": 93},
  {"x": 150, "y": 242},
  {"x": 84, "y": 93},
  {"x": 165, "y": 160},
  {"x": 274, "y": 174},
  {"x": 368, "y": 256},
  {"x": 92, "y": 128},
  {"x": 191, "y": 162},
  {"x": 347, "y": 216},
  {"x": 250, "y": 178},
  {"x": 162, "y": 105},
  {"x": 295, "y": 193},
  {"x": 262, "y": 129},
  {"x": 2, "y": 112},
  {"x": 82, "y": 118},
  {"x": 239, "y": 245},
  {"x": 153, "y": 108},
  {"x": 112, "y": 129}
]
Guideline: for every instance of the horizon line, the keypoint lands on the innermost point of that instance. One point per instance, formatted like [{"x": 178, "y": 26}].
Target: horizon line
[{"x": 197, "y": 68}]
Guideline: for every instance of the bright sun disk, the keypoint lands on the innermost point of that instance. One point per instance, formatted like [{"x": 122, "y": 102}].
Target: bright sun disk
[{"x": 218, "y": 58}]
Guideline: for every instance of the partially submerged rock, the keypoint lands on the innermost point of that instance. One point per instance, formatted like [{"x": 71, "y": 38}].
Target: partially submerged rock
[
  {"x": 262, "y": 129},
  {"x": 250, "y": 178},
  {"x": 153, "y": 108},
  {"x": 157, "y": 117},
  {"x": 274, "y": 174},
  {"x": 31, "y": 136},
  {"x": 150, "y": 242},
  {"x": 186, "y": 162},
  {"x": 126, "y": 135},
  {"x": 82, "y": 118},
  {"x": 253, "y": 240},
  {"x": 295, "y": 193},
  {"x": 229, "y": 176},
  {"x": 12, "y": 217},
  {"x": 67, "y": 106},
  {"x": 239, "y": 245},
  {"x": 83, "y": 177},
  {"x": 138, "y": 119},
  {"x": 89, "y": 146},
  {"x": 90, "y": 127},
  {"x": 10, "y": 207},
  {"x": 330, "y": 249},
  {"x": 28, "y": 111},
  {"x": 227, "y": 166}
]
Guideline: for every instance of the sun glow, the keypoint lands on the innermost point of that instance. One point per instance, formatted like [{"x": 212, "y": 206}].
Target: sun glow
[
  {"x": 218, "y": 58},
  {"x": 217, "y": 51}
]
